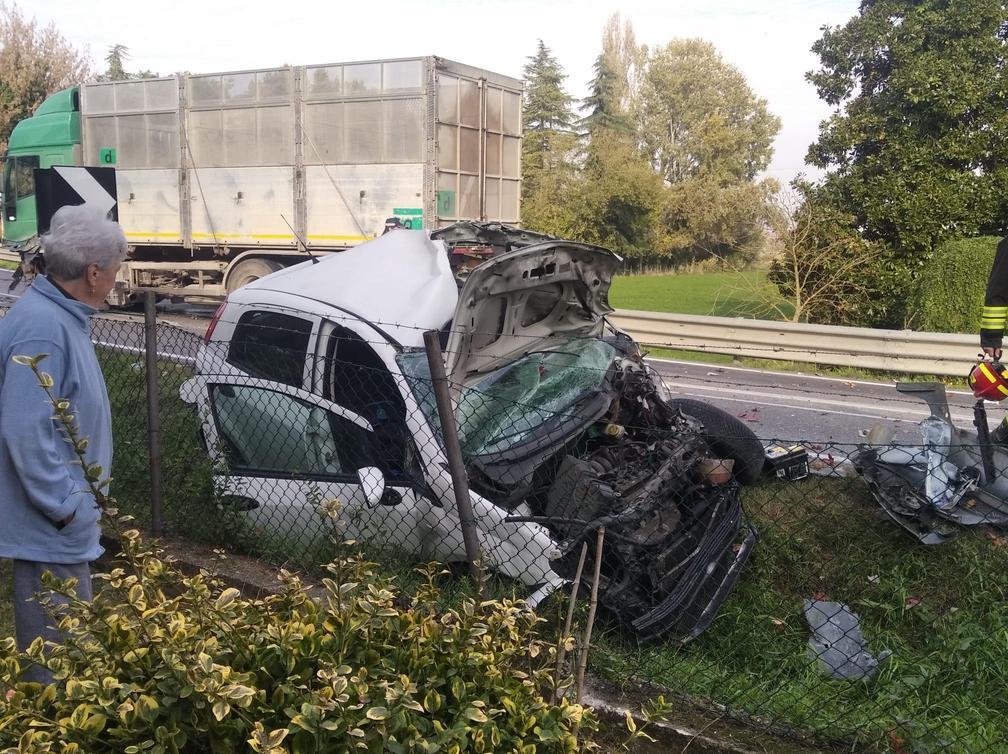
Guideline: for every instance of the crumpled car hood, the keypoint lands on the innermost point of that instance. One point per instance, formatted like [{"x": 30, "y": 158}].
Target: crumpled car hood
[{"x": 520, "y": 301}]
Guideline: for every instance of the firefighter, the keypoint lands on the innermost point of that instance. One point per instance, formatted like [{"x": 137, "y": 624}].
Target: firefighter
[{"x": 992, "y": 323}]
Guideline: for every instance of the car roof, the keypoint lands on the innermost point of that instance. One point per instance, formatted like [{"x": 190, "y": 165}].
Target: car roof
[{"x": 401, "y": 283}]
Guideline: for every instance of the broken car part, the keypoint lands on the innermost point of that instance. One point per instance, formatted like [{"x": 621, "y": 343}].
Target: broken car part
[
  {"x": 953, "y": 478},
  {"x": 837, "y": 642}
]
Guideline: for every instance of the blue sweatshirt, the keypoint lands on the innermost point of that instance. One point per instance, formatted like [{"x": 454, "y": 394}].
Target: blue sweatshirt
[{"x": 39, "y": 483}]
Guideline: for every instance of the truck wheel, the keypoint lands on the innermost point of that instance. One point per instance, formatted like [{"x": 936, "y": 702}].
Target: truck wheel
[
  {"x": 249, "y": 270},
  {"x": 728, "y": 437}
]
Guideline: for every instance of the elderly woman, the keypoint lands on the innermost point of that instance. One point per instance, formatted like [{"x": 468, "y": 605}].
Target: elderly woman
[{"x": 48, "y": 519}]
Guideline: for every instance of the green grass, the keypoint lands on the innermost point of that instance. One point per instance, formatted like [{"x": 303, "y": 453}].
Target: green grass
[
  {"x": 7, "y": 265},
  {"x": 721, "y": 294},
  {"x": 938, "y": 609},
  {"x": 190, "y": 506}
]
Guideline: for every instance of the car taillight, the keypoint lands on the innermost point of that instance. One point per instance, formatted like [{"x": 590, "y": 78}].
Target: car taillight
[{"x": 213, "y": 322}]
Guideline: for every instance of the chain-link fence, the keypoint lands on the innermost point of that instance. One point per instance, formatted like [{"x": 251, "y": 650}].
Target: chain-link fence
[{"x": 849, "y": 594}]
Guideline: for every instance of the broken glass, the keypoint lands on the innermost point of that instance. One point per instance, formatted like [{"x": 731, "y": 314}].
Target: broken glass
[{"x": 508, "y": 405}]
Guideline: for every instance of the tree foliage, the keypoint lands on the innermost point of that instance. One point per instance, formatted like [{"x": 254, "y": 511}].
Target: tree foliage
[
  {"x": 35, "y": 61},
  {"x": 698, "y": 116},
  {"x": 549, "y": 145},
  {"x": 820, "y": 266},
  {"x": 917, "y": 148},
  {"x": 619, "y": 196},
  {"x": 604, "y": 104},
  {"x": 625, "y": 182},
  {"x": 702, "y": 219},
  {"x": 117, "y": 56}
]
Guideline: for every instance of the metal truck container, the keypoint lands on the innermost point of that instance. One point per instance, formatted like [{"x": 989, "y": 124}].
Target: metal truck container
[{"x": 225, "y": 177}]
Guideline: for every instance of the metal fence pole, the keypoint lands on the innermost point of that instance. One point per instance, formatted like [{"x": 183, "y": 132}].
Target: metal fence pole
[
  {"x": 153, "y": 411},
  {"x": 449, "y": 430}
]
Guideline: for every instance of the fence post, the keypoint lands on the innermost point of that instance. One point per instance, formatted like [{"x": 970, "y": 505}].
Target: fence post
[
  {"x": 153, "y": 411},
  {"x": 449, "y": 431}
]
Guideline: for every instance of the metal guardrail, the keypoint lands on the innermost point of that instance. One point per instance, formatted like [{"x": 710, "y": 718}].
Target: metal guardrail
[{"x": 891, "y": 350}]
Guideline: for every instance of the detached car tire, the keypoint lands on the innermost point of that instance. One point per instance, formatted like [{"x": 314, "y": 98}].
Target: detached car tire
[{"x": 728, "y": 437}]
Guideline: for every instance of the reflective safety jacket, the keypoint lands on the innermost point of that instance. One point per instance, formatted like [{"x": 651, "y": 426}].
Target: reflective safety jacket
[{"x": 995, "y": 309}]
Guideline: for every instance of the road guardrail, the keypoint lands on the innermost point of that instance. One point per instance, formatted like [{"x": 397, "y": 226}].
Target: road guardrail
[{"x": 891, "y": 350}]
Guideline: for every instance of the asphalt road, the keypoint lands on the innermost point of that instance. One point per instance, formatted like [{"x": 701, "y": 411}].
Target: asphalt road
[
  {"x": 822, "y": 410},
  {"x": 778, "y": 406}
]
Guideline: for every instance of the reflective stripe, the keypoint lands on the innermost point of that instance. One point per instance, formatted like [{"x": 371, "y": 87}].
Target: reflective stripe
[{"x": 987, "y": 372}]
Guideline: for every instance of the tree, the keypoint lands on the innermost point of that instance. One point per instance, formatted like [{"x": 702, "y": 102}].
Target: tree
[
  {"x": 549, "y": 143},
  {"x": 917, "y": 147},
  {"x": 116, "y": 70},
  {"x": 619, "y": 196},
  {"x": 624, "y": 58},
  {"x": 698, "y": 116},
  {"x": 117, "y": 56},
  {"x": 820, "y": 266},
  {"x": 34, "y": 63},
  {"x": 703, "y": 219},
  {"x": 605, "y": 109}
]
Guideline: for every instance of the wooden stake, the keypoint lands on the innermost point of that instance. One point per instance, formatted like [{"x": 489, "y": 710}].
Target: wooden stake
[
  {"x": 583, "y": 657},
  {"x": 562, "y": 651}
]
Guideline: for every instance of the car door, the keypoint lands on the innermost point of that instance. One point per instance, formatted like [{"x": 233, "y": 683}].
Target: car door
[{"x": 282, "y": 455}]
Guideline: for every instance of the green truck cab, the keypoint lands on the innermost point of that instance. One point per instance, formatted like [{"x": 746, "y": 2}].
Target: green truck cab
[{"x": 52, "y": 136}]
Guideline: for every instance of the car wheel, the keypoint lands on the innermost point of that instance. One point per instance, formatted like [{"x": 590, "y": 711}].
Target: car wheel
[
  {"x": 249, "y": 270},
  {"x": 728, "y": 437}
]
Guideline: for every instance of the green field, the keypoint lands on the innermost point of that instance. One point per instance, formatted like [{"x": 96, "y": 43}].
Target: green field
[{"x": 721, "y": 294}]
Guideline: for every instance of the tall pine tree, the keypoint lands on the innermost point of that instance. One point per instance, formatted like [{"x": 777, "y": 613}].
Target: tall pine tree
[
  {"x": 603, "y": 100},
  {"x": 548, "y": 143}
]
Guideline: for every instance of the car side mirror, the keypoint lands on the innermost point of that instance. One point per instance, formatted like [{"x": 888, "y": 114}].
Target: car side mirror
[{"x": 372, "y": 483}]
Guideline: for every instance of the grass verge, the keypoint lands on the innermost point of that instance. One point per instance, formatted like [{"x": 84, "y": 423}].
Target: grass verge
[
  {"x": 937, "y": 610},
  {"x": 722, "y": 294}
]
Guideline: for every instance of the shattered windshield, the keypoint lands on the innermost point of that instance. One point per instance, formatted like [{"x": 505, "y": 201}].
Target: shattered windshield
[{"x": 508, "y": 405}]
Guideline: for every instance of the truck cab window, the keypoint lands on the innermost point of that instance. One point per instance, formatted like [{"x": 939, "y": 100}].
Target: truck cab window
[{"x": 19, "y": 182}]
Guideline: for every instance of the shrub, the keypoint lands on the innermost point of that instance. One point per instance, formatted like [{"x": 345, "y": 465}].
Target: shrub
[
  {"x": 159, "y": 662},
  {"x": 949, "y": 291}
]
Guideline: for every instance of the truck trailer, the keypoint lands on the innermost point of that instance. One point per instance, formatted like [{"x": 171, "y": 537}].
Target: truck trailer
[{"x": 225, "y": 177}]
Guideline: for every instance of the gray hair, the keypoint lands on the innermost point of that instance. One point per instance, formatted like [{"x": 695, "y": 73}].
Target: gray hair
[{"x": 80, "y": 235}]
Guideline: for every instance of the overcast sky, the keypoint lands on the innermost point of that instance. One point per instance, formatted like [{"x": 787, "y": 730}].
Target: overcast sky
[{"x": 769, "y": 41}]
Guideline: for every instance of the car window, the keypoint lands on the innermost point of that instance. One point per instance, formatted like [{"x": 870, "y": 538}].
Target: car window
[
  {"x": 272, "y": 346},
  {"x": 266, "y": 432},
  {"x": 358, "y": 380}
]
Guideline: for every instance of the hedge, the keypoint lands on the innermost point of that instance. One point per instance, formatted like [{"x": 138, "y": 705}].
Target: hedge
[{"x": 949, "y": 292}]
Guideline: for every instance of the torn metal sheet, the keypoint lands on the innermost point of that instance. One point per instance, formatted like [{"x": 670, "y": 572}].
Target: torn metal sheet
[
  {"x": 838, "y": 643},
  {"x": 945, "y": 483}
]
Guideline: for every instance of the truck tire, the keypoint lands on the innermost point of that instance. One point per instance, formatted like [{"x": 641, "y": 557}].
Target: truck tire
[
  {"x": 249, "y": 270},
  {"x": 728, "y": 437}
]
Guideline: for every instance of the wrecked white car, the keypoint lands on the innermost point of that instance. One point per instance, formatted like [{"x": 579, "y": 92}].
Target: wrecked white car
[{"x": 313, "y": 385}]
